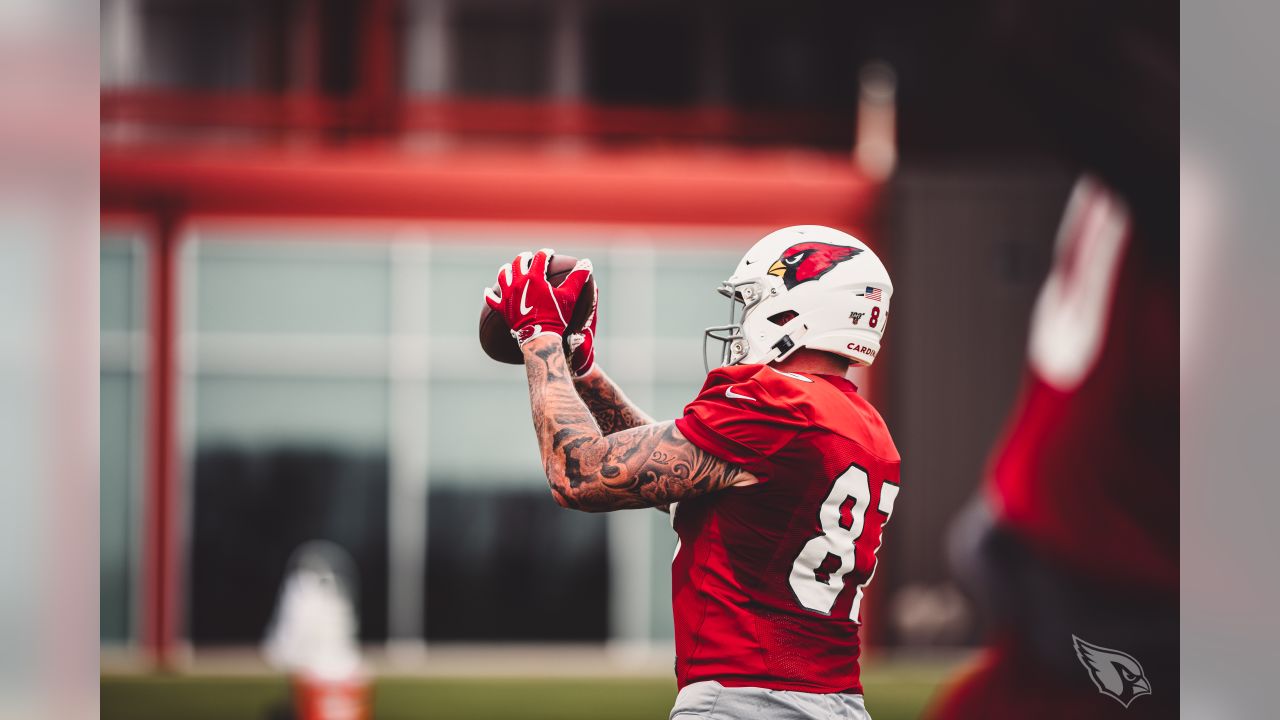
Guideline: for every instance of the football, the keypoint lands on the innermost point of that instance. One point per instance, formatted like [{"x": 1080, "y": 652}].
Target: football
[{"x": 495, "y": 336}]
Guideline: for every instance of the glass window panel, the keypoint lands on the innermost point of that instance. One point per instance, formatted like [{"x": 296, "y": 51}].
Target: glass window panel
[
  {"x": 458, "y": 276},
  {"x": 282, "y": 458},
  {"x": 680, "y": 358},
  {"x": 481, "y": 434},
  {"x": 510, "y": 564},
  {"x": 349, "y": 413},
  {"x": 118, "y": 285},
  {"x": 118, "y": 435},
  {"x": 671, "y": 397},
  {"x": 293, "y": 287},
  {"x": 686, "y": 305},
  {"x": 253, "y": 507},
  {"x": 685, "y": 293}
]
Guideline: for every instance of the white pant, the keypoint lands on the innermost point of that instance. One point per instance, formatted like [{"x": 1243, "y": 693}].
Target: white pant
[{"x": 709, "y": 700}]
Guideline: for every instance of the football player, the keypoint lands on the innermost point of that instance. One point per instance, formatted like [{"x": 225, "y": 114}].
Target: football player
[{"x": 779, "y": 477}]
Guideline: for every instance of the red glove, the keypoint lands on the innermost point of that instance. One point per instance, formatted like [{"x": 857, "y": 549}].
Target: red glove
[
  {"x": 529, "y": 304},
  {"x": 582, "y": 345}
]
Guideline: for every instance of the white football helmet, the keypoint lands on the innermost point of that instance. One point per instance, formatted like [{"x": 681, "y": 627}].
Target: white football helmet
[{"x": 804, "y": 286}]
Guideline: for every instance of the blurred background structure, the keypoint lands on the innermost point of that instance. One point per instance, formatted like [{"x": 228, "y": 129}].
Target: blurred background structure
[{"x": 301, "y": 200}]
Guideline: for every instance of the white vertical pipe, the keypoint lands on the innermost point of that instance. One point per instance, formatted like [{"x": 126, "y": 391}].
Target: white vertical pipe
[
  {"x": 428, "y": 53},
  {"x": 566, "y": 50},
  {"x": 408, "y": 427},
  {"x": 121, "y": 49},
  {"x": 875, "y": 149}
]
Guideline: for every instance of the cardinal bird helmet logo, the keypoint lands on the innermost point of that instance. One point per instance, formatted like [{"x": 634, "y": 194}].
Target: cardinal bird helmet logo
[
  {"x": 807, "y": 261},
  {"x": 1116, "y": 674}
]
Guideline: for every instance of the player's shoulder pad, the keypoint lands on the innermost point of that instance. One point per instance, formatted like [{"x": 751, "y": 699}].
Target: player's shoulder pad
[
  {"x": 762, "y": 386},
  {"x": 815, "y": 400}
]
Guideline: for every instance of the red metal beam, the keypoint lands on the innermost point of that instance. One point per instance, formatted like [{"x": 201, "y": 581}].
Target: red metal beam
[
  {"x": 301, "y": 110},
  {"x": 681, "y": 188},
  {"x": 160, "y": 569}
]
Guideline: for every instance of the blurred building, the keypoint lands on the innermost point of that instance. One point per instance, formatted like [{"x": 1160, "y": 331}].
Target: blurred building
[{"x": 302, "y": 199}]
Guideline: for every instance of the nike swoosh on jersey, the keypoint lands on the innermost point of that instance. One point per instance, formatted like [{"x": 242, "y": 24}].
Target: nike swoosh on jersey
[
  {"x": 729, "y": 393},
  {"x": 524, "y": 309}
]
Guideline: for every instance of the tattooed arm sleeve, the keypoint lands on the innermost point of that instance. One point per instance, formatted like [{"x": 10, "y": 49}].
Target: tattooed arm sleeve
[
  {"x": 610, "y": 407},
  {"x": 645, "y": 466}
]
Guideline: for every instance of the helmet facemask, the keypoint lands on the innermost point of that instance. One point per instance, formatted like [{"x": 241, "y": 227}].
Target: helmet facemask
[{"x": 743, "y": 296}]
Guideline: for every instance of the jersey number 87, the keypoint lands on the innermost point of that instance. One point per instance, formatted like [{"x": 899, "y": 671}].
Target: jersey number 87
[{"x": 817, "y": 575}]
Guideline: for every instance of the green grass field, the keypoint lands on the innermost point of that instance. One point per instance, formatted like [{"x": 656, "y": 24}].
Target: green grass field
[{"x": 895, "y": 691}]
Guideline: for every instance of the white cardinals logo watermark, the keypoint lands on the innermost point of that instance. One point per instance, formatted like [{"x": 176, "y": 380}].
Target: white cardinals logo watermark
[{"x": 1117, "y": 674}]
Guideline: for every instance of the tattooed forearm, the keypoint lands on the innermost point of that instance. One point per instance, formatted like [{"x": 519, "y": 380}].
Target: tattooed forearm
[
  {"x": 611, "y": 408},
  {"x": 645, "y": 466}
]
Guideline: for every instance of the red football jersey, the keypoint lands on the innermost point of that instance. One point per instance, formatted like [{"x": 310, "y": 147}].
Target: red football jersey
[
  {"x": 1088, "y": 470},
  {"x": 768, "y": 578}
]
